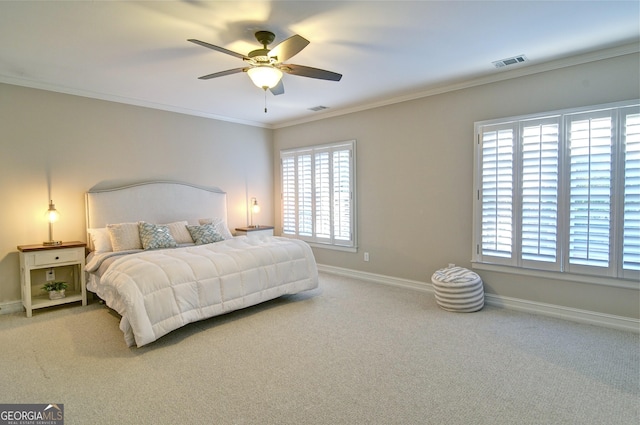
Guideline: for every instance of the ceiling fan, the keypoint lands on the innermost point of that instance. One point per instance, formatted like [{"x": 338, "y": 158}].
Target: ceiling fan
[{"x": 265, "y": 66}]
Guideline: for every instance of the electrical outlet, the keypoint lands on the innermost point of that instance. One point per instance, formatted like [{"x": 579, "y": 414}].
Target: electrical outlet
[
  {"x": 366, "y": 256},
  {"x": 51, "y": 275}
]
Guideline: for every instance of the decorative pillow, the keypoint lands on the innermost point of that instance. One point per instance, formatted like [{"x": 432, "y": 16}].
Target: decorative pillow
[
  {"x": 204, "y": 234},
  {"x": 155, "y": 236},
  {"x": 219, "y": 225},
  {"x": 100, "y": 240},
  {"x": 179, "y": 232},
  {"x": 124, "y": 236}
]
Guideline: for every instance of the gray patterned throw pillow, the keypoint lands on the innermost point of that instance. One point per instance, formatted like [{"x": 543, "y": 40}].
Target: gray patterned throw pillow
[
  {"x": 204, "y": 234},
  {"x": 155, "y": 236}
]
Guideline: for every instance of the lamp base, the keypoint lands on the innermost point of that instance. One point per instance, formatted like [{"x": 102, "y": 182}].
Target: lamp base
[{"x": 52, "y": 243}]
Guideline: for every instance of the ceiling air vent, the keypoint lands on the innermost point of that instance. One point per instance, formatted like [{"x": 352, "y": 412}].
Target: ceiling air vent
[
  {"x": 510, "y": 61},
  {"x": 318, "y": 108}
]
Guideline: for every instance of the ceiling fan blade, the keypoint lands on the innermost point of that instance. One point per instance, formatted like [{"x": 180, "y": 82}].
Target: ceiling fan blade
[
  {"x": 222, "y": 73},
  {"x": 307, "y": 71},
  {"x": 288, "y": 48},
  {"x": 218, "y": 48},
  {"x": 277, "y": 89}
]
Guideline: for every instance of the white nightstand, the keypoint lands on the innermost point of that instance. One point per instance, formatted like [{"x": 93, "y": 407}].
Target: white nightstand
[
  {"x": 67, "y": 262},
  {"x": 254, "y": 231}
]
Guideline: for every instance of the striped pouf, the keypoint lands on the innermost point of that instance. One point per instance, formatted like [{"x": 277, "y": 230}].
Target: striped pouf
[{"x": 458, "y": 289}]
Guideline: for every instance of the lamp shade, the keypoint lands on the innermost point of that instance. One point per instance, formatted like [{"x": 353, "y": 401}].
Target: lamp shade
[{"x": 265, "y": 76}]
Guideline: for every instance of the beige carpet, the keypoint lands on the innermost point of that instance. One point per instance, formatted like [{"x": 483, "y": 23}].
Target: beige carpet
[{"x": 350, "y": 352}]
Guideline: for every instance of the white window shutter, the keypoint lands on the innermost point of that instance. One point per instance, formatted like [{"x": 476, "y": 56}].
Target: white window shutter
[
  {"x": 323, "y": 195},
  {"x": 342, "y": 202},
  {"x": 318, "y": 185},
  {"x": 305, "y": 196},
  {"x": 631, "y": 237},
  {"x": 289, "y": 195},
  {"x": 539, "y": 186},
  {"x": 590, "y": 178},
  {"x": 497, "y": 192},
  {"x": 560, "y": 191}
]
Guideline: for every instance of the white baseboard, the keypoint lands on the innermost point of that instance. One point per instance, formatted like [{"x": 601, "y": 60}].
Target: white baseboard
[
  {"x": 567, "y": 313},
  {"x": 551, "y": 310},
  {"x": 377, "y": 278},
  {"x": 11, "y": 307}
]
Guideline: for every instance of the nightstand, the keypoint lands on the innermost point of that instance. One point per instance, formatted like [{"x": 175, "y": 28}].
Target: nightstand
[
  {"x": 254, "y": 231},
  {"x": 67, "y": 263}
]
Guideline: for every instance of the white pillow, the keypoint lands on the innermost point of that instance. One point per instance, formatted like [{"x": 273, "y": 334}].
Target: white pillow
[
  {"x": 100, "y": 240},
  {"x": 179, "y": 232},
  {"x": 219, "y": 225},
  {"x": 124, "y": 236}
]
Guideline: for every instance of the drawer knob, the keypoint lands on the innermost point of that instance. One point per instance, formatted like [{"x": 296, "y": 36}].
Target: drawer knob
[{"x": 57, "y": 258}]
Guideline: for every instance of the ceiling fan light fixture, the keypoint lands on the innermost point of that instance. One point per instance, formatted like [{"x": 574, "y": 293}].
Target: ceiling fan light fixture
[{"x": 265, "y": 76}]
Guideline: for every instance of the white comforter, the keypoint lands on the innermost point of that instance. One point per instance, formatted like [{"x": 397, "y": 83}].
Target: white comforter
[{"x": 158, "y": 291}]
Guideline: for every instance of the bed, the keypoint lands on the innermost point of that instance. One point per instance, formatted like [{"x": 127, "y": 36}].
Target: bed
[{"x": 161, "y": 256}]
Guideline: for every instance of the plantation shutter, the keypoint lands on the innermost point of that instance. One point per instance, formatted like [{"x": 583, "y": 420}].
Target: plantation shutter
[
  {"x": 631, "y": 233},
  {"x": 496, "y": 192},
  {"x": 560, "y": 192},
  {"x": 539, "y": 216},
  {"x": 342, "y": 195},
  {"x": 317, "y": 199},
  {"x": 590, "y": 139},
  {"x": 305, "y": 196},
  {"x": 289, "y": 207},
  {"x": 323, "y": 195}
]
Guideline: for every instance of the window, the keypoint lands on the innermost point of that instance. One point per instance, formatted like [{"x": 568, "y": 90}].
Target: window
[
  {"x": 560, "y": 192},
  {"x": 318, "y": 192}
]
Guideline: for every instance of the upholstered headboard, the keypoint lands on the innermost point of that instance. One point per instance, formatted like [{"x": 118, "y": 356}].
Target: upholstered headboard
[{"x": 154, "y": 202}]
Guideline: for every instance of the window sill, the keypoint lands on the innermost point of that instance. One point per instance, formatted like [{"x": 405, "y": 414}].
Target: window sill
[
  {"x": 333, "y": 247},
  {"x": 324, "y": 245},
  {"x": 595, "y": 280}
]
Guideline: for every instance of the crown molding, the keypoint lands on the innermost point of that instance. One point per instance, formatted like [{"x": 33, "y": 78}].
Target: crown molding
[
  {"x": 501, "y": 75},
  {"x": 122, "y": 99}
]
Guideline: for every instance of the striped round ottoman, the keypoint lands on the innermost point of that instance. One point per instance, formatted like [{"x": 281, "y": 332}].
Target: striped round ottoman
[{"x": 458, "y": 289}]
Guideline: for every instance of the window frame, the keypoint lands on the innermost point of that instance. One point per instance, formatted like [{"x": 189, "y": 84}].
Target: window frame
[
  {"x": 333, "y": 241},
  {"x": 614, "y": 274}
]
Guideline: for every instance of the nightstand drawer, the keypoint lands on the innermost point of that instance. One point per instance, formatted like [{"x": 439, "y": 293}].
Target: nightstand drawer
[{"x": 53, "y": 256}]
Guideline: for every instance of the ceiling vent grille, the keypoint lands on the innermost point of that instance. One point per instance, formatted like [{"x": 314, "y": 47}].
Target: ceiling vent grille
[
  {"x": 318, "y": 108},
  {"x": 510, "y": 61}
]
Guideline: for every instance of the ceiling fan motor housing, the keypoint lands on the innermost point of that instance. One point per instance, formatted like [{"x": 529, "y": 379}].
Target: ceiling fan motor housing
[
  {"x": 260, "y": 56},
  {"x": 265, "y": 37}
]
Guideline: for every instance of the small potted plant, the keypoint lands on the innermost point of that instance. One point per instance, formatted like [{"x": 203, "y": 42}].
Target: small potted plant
[{"x": 55, "y": 289}]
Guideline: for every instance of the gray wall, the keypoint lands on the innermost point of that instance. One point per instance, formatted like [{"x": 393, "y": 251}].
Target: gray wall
[
  {"x": 414, "y": 177},
  {"x": 59, "y": 146}
]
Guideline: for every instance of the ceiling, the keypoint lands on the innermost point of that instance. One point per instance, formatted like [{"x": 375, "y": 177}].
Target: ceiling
[{"x": 138, "y": 53}]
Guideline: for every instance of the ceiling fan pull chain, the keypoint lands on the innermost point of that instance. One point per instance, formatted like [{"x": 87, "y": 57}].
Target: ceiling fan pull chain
[{"x": 265, "y": 100}]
